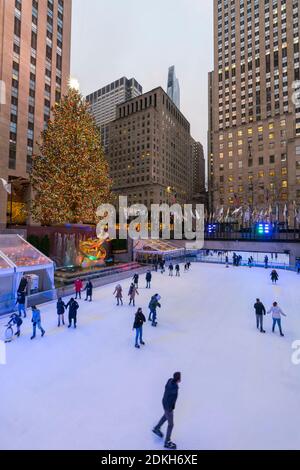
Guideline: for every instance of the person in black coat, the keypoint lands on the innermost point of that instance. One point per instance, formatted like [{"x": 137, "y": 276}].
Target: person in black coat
[
  {"x": 73, "y": 307},
  {"x": 148, "y": 280},
  {"x": 89, "y": 291},
  {"x": 60, "y": 308},
  {"x": 259, "y": 312},
  {"x": 169, "y": 402},
  {"x": 139, "y": 320},
  {"x": 274, "y": 276},
  {"x": 171, "y": 267},
  {"x": 177, "y": 269},
  {"x": 136, "y": 280}
]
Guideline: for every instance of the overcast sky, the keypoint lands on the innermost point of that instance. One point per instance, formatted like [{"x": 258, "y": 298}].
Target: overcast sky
[{"x": 141, "y": 38}]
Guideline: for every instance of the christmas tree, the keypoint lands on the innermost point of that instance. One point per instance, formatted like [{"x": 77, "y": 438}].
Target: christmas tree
[{"x": 70, "y": 175}]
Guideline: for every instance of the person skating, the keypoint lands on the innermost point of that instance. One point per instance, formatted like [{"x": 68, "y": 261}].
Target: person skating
[
  {"x": 73, "y": 307},
  {"x": 162, "y": 267},
  {"x": 274, "y": 276},
  {"x": 153, "y": 304},
  {"x": 78, "y": 288},
  {"x": 132, "y": 293},
  {"x": 16, "y": 320},
  {"x": 227, "y": 261},
  {"x": 260, "y": 311},
  {"x": 21, "y": 300},
  {"x": 139, "y": 320},
  {"x": 171, "y": 268},
  {"x": 177, "y": 269},
  {"x": 148, "y": 280},
  {"x": 136, "y": 280},
  {"x": 276, "y": 315},
  {"x": 155, "y": 266},
  {"x": 298, "y": 267},
  {"x": 89, "y": 291},
  {"x": 266, "y": 261},
  {"x": 119, "y": 294},
  {"x": 169, "y": 402},
  {"x": 189, "y": 264},
  {"x": 36, "y": 322},
  {"x": 60, "y": 308}
]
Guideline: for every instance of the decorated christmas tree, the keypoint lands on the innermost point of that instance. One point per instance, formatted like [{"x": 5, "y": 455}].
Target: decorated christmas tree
[{"x": 70, "y": 175}]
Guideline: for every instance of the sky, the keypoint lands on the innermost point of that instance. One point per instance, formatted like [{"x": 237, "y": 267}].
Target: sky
[{"x": 141, "y": 39}]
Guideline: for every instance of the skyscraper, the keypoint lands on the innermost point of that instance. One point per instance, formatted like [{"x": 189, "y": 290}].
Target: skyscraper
[
  {"x": 173, "y": 87},
  {"x": 150, "y": 151},
  {"x": 103, "y": 102},
  {"x": 34, "y": 70},
  {"x": 254, "y": 144}
]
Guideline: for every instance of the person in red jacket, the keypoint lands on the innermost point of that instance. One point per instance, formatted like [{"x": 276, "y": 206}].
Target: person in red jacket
[{"x": 78, "y": 287}]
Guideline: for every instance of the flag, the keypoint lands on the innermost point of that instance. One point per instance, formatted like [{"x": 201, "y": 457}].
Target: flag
[
  {"x": 247, "y": 215},
  {"x": 220, "y": 215},
  {"x": 285, "y": 213}
]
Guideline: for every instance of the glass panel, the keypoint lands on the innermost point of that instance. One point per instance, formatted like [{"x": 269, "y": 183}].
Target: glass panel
[{"x": 20, "y": 252}]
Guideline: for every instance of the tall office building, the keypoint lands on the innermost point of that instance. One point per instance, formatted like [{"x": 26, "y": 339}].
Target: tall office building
[
  {"x": 34, "y": 70},
  {"x": 254, "y": 135},
  {"x": 150, "y": 151},
  {"x": 103, "y": 102},
  {"x": 198, "y": 172},
  {"x": 173, "y": 88}
]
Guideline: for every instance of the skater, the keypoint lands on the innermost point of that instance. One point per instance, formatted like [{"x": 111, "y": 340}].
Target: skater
[
  {"x": 89, "y": 291},
  {"x": 276, "y": 315},
  {"x": 153, "y": 304},
  {"x": 266, "y": 260},
  {"x": 16, "y": 320},
  {"x": 118, "y": 294},
  {"x": 249, "y": 263},
  {"x": 136, "y": 280},
  {"x": 259, "y": 312},
  {"x": 138, "y": 327},
  {"x": 132, "y": 293},
  {"x": 73, "y": 307},
  {"x": 169, "y": 402},
  {"x": 171, "y": 268},
  {"x": 162, "y": 267},
  {"x": 21, "y": 300},
  {"x": 189, "y": 264},
  {"x": 78, "y": 288},
  {"x": 185, "y": 268},
  {"x": 60, "y": 308},
  {"x": 155, "y": 266},
  {"x": 274, "y": 276},
  {"x": 227, "y": 261},
  {"x": 148, "y": 280},
  {"x": 298, "y": 267},
  {"x": 177, "y": 269},
  {"x": 36, "y": 322}
]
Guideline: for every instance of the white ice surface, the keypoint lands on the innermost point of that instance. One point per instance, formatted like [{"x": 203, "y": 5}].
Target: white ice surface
[{"x": 91, "y": 389}]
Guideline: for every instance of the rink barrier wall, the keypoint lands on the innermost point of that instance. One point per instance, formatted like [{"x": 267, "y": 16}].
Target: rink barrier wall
[{"x": 49, "y": 296}]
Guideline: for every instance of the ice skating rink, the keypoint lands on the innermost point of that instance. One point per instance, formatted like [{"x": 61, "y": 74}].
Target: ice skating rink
[{"x": 91, "y": 389}]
